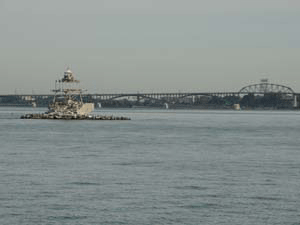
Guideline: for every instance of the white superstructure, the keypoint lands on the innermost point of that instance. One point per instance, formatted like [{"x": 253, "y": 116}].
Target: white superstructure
[{"x": 71, "y": 102}]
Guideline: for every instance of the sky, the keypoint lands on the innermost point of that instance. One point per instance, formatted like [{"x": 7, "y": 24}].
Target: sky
[{"x": 149, "y": 45}]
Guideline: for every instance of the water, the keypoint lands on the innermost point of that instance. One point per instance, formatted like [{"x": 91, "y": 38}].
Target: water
[{"x": 162, "y": 167}]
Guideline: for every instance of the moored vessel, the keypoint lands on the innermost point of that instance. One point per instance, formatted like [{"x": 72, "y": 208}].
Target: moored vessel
[{"x": 68, "y": 103}]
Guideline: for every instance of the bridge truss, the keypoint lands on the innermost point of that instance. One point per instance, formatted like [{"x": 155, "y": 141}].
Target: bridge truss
[
  {"x": 267, "y": 88},
  {"x": 263, "y": 88}
]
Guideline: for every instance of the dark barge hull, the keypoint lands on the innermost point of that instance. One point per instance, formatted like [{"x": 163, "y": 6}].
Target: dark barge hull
[{"x": 72, "y": 117}]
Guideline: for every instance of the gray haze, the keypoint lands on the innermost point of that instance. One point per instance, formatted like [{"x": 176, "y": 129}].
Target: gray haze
[{"x": 149, "y": 45}]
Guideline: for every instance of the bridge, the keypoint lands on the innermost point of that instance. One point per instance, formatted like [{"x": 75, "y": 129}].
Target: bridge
[{"x": 261, "y": 89}]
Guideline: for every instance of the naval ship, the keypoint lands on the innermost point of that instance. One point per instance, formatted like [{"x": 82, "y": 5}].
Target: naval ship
[{"x": 68, "y": 103}]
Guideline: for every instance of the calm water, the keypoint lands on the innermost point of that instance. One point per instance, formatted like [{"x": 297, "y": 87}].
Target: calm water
[{"x": 162, "y": 167}]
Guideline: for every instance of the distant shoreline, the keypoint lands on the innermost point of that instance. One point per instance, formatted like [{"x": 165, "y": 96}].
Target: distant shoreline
[{"x": 170, "y": 108}]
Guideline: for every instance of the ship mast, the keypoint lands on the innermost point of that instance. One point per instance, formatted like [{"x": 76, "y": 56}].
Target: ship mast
[{"x": 68, "y": 86}]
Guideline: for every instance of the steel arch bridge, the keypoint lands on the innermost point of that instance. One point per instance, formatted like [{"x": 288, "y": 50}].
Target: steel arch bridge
[
  {"x": 265, "y": 88},
  {"x": 162, "y": 97}
]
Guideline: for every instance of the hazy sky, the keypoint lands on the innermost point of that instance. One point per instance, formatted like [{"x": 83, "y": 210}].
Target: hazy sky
[{"x": 149, "y": 45}]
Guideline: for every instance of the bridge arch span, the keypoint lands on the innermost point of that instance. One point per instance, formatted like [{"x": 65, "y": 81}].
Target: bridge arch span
[{"x": 264, "y": 88}]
